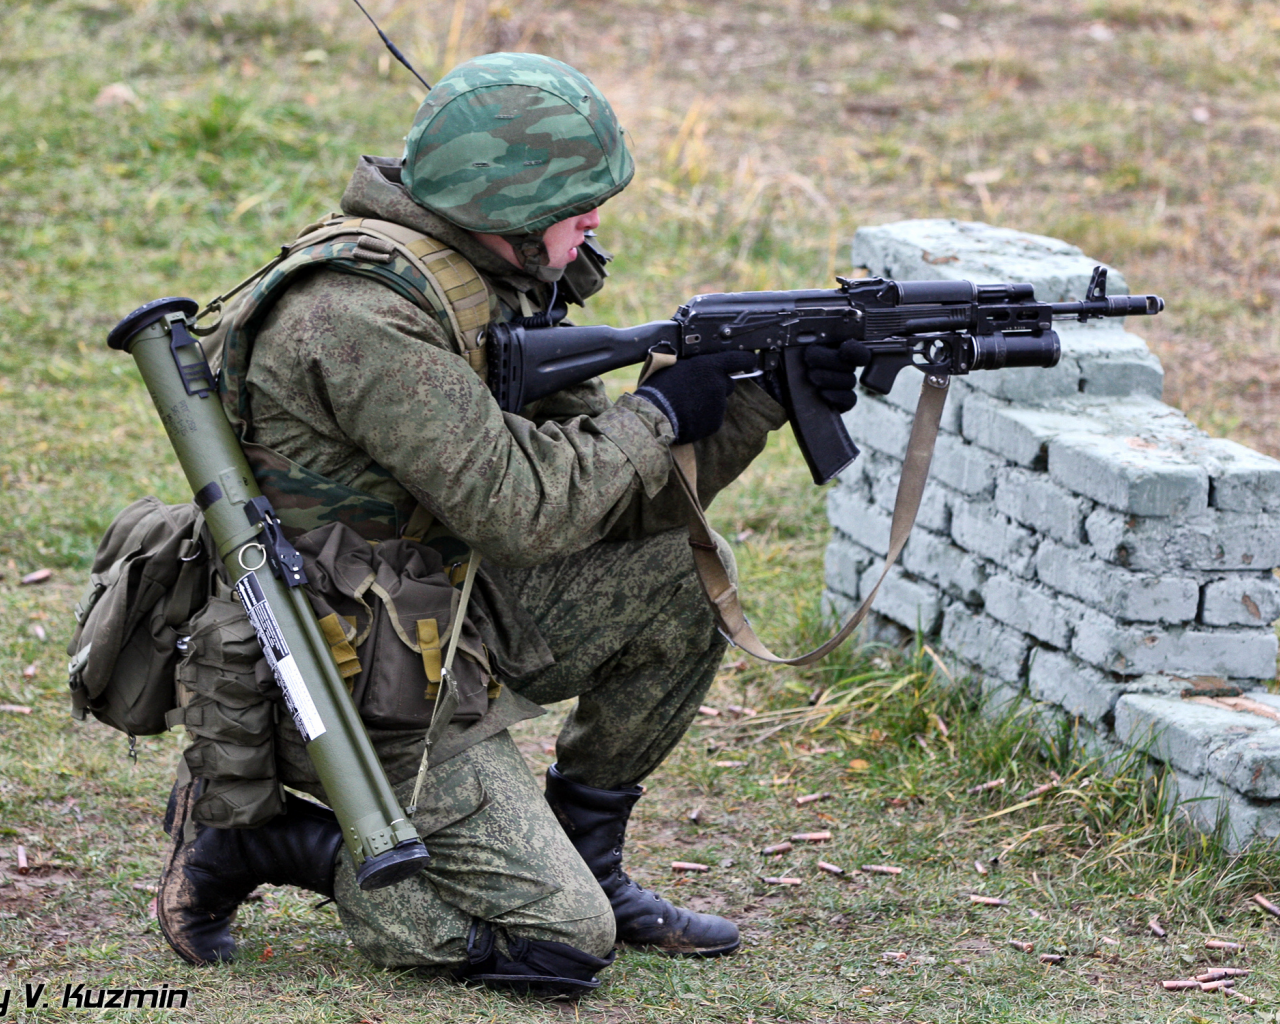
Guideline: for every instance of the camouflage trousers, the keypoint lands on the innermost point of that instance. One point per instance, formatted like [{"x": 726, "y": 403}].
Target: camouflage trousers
[{"x": 635, "y": 643}]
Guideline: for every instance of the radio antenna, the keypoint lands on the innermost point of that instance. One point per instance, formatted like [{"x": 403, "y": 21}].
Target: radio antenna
[{"x": 392, "y": 47}]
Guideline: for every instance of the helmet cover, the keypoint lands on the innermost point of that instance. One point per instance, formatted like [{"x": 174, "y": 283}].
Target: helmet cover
[{"x": 511, "y": 143}]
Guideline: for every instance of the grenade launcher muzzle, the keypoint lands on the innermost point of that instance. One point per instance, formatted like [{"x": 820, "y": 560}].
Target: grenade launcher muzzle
[{"x": 267, "y": 573}]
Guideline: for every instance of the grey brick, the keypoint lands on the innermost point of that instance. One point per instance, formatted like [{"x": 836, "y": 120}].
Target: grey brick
[
  {"x": 1128, "y": 474},
  {"x": 965, "y": 467},
  {"x": 1030, "y": 384},
  {"x": 1156, "y": 684},
  {"x": 1250, "y": 599},
  {"x": 1272, "y": 700},
  {"x": 1180, "y": 733},
  {"x": 999, "y": 696},
  {"x": 883, "y": 475},
  {"x": 875, "y": 423},
  {"x": 1030, "y": 608},
  {"x": 1020, "y": 435},
  {"x": 1079, "y": 689},
  {"x": 935, "y": 505},
  {"x": 1123, "y": 593},
  {"x": 1113, "y": 362},
  {"x": 979, "y": 528},
  {"x": 1206, "y": 803},
  {"x": 1034, "y": 500},
  {"x": 1214, "y": 540},
  {"x": 939, "y": 249},
  {"x": 1241, "y": 479},
  {"x": 958, "y": 572},
  {"x": 1132, "y": 650},
  {"x": 854, "y": 476},
  {"x": 859, "y": 520},
  {"x": 908, "y": 602},
  {"x": 837, "y": 607},
  {"x": 845, "y": 564},
  {"x": 935, "y": 508},
  {"x": 996, "y": 649},
  {"x": 1266, "y": 829},
  {"x": 1120, "y": 375},
  {"x": 1251, "y": 765}
]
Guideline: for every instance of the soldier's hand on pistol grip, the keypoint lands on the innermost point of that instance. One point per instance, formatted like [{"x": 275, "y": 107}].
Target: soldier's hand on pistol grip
[
  {"x": 833, "y": 369},
  {"x": 694, "y": 393}
]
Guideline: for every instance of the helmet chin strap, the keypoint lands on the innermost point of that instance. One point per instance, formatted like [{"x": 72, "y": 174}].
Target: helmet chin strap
[{"x": 532, "y": 252}]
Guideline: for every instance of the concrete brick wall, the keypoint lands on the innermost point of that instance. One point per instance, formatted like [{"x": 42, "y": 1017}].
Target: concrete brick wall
[{"x": 1080, "y": 543}]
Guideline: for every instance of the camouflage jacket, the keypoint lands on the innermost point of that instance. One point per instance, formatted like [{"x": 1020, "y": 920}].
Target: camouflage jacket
[{"x": 354, "y": 382}]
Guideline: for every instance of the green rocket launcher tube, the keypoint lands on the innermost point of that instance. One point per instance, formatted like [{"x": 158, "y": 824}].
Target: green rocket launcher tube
[{"x": 267, "y": 573}]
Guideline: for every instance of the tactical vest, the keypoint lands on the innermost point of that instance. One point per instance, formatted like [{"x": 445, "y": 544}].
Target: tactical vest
[{"x": 427, "y": 273}]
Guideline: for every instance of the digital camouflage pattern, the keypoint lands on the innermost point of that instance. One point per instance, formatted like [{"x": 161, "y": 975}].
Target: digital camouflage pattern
[
  {"x": 223, "y": 702},
  {"x": 511, "y": 143},
  {"x": 634, "y": 641},
  {"x": 497, "y": 854},
  {"x": 587, "y": 590},
  {"x": 373, "y": 504},
  {"x": 366, "y": 389}
]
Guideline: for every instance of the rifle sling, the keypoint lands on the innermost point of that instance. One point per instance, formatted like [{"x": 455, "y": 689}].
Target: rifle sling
[{"x": 721, "y": 592}]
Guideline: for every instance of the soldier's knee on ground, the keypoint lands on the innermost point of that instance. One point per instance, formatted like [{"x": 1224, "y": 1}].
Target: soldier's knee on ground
[
  {"x": 498, "y": 855},
  {"x": 594, "y": 935},
  {"x": 538, "y": 967},
  {"x": 411, "y": 925}
]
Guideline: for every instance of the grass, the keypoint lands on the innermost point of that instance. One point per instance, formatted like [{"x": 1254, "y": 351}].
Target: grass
[{"x": 764, "y": 134}]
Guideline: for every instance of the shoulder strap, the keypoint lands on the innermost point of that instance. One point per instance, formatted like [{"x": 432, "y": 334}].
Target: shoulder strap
[
  {"x": 719, "y": 589},
  {"x": 456, "y": 282}
]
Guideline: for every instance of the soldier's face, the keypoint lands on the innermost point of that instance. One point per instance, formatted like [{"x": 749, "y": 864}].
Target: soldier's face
[{"x": 561, "y": 239}]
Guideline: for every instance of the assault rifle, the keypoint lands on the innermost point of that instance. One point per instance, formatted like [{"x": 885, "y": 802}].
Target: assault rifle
[{"x": 944, "y": 328}]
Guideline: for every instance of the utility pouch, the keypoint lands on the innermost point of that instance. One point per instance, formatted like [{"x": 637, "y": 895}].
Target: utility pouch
[
  {"x": 150, "y": 573},
  {"x": 395, "y": 603},
  {"x": 225, "y": 703}
]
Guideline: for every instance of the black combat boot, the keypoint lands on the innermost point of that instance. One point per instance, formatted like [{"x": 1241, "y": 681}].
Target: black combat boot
[
  {"x": 204, "y": 881},
  {"x": 596, "y": 823}
]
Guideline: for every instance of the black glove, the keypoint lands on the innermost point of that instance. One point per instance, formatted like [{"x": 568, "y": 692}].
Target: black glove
[
  {"x": 831, "y": 370},
  {"x": 694, "y": 393}
]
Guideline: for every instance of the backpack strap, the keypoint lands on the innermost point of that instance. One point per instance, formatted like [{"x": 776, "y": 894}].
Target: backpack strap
[
  {"x": 463, "y": 295},
  {"x": 422, "y": 270}
]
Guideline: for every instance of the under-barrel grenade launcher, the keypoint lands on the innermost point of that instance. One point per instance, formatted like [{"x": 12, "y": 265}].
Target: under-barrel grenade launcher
[{"x": 940, "y": 327}]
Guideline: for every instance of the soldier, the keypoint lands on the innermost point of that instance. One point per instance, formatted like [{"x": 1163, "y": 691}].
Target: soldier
[{"x": 351, "y": 372}]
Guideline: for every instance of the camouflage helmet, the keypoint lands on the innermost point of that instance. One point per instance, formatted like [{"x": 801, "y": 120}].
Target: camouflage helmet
[{"x": 509, "y": 144}]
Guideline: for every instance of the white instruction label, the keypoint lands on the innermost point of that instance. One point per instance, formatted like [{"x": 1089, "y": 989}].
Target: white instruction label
[{"x": 280, "y": 658}]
